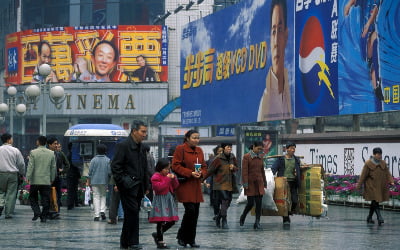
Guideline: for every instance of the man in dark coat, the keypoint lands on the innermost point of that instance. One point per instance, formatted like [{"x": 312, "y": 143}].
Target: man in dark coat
[
  {"x": 289, "y": 166},
  {"x": 129, "y": 168}
]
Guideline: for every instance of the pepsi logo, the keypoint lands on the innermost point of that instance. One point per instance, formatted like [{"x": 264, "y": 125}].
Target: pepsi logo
[{"x": 311, "y": 56}]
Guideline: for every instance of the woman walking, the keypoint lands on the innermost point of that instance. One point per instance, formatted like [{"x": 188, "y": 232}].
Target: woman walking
[
  {"x": 254, "y": 181},
  {"x": 374, "y": 177},
  {"x": 189, "y": 192},
  {"x": 223, "y": 170}
]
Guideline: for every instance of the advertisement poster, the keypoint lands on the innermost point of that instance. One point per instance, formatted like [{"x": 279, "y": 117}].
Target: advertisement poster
[
  {"x": 122, "y": 53},
  {"x": 316, "y": 58},
  {"x": 369, "y": 52},
  {"x": 268, "y": 138},
  {"x": 243, "y": 56}
]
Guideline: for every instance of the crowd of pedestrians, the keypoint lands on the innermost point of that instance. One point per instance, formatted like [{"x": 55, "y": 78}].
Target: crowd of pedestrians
[{"x": 132, "y": 175}]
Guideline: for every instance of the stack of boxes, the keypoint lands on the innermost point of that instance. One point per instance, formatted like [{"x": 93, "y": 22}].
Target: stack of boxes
[{"x": 311, "y": 191}]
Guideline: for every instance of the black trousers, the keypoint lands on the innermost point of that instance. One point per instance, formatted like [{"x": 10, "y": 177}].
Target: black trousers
[
  {"x": 72, "y": 186},
  {"x": 130, "y": 228},
  {"x": 114, "y": 203},
  {"x": 44, "y": 191},
  {"x": 187, "y": 231}
]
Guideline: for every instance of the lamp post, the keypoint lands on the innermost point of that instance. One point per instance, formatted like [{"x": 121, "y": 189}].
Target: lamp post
[
  {"x": 56, "y": 93},
  {"x": 12, "y": 107}
]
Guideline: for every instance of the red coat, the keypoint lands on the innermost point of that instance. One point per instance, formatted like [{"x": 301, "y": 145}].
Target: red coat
[
  {"x": 183, "y": 164},
  {"x": 253, "y": 175}
]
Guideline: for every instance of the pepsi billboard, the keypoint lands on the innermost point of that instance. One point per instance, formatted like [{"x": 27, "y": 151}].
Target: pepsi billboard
[{"x": 316, "y": 58}]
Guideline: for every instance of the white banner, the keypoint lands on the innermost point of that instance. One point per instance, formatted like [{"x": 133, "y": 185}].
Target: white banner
[{"x": 349, "y": 158}]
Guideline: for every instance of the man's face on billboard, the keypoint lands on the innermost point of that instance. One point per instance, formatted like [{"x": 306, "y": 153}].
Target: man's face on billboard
[
  {"x": 103, "y": 59},
  {"x": 279, "y": 35},
  {"x": 45, "y": 56}
]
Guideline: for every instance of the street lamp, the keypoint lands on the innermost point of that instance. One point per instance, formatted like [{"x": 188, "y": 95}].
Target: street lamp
[
  {"x": 12, "y": 107},
  {"x": 56, "y": 93}
]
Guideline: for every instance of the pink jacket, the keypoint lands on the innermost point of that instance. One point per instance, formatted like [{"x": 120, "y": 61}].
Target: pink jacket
[{"x": 162, "y": 184}]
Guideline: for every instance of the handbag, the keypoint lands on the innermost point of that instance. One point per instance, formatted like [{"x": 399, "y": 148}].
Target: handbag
[
  {"x": 53, "y": 200},
  {"x": 87, "y": 195}
]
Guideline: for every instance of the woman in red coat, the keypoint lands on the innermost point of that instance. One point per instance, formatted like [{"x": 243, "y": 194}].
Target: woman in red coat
[
  {"x": 254, "y": 181},
  {"x": 189, "y": 192}
]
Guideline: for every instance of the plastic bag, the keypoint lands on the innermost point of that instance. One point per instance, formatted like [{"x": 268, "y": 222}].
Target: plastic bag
[
  {"x": 268, "y": 198},
  {"x": 147, "y": 203},
  {"x": 87, "y": 195},
  {"x": 242, "y": 198}
]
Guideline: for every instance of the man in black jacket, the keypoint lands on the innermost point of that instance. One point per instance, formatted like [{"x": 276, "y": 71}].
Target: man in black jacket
[{"x": 129, "y": 168}]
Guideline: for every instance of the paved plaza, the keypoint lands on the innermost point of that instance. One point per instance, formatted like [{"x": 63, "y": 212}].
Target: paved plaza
[{"x": 344, "y": 228}]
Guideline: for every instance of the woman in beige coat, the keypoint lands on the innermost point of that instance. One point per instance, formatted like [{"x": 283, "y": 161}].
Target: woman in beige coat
[
  {"x": 254, "y": 181},
  {"x": 375, "y": 176}
]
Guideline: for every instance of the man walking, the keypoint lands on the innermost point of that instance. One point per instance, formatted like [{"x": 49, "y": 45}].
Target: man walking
[
  {"x": 40, "y": 175},
  {"x": 12, "y": 164},
  {"x": 129, "y": 168}
]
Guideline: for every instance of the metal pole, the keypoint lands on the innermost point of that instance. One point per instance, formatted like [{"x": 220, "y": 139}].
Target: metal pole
[
  {"x": 11, "y": 118},
  {"x": 44, "y": 116}
]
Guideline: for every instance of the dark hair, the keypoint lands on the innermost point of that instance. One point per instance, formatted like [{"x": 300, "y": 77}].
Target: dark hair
[
  {"x": 101, "y": 149},
  {"x": 282, "y": 3},
  {"x": 5, "y": 137},
  {"x": 42, "y": 140},
  {"x": 116, "y": 55},
  {"x": 224, "y": 144},
  {"x": 136, "y": 124},
  {"x": 41, "y": 45},
  {"x": 146, "y": 147},
  {"x": 257, "y": 144},
  {"x": 161, "y": 164},
  {"x": 141, "y": 57},
  {"x": 215, "y": 150},
  {"x": 189, "y": 133},
  {"x": 51, "y": 140},
  {"x": 290, "y": 144},
  {"x": 377, "y": 151}
]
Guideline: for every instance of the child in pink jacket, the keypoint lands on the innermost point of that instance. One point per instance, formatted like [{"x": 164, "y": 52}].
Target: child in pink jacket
[{"x": 165, "y": 210}]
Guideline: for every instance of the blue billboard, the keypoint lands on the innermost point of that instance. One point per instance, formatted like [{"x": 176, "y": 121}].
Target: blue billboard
[
  {"x": 234, "y": 61},
  {"x": 316, "y": 58},
  {"x": 369, "y": 70}
]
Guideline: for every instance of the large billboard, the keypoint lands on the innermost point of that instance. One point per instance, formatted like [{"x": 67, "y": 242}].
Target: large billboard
[
  {"x": 316, "y": 58},
  {"x": 237, "y": 65},
  {"x": 266, "y": 60},
  {"x": 369, "y": 68},
  {"x": 122, "y": 53}
]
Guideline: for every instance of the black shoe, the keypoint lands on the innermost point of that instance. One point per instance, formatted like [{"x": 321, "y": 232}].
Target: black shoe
[
  {"x": 194, "y": 245},
  {"x": 35, "y": 217},
  {"x": 103, "y": 216},
  {"x": 70, "y": 207},
  {"x": 96, "y": 219},
  {"x": 181, "y": 243},
  {"x": 43, "y": 219},
  {"x": 54, "y": 216},
  {"x": 241, "y": 220},
  {"x": 8, "y": 217},
  {"x": 370, "y": 220},
  {"x": 224, "y": 223},
  {"x": 135, "y": 247},
  {"x": 257, "y": 226},
  {"x": 218, "y": 221}
]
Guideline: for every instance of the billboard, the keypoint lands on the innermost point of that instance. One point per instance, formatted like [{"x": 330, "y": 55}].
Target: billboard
[
  {"x": 369, "y": 52},
  {"x": 316, "y": 58},
  {"x": 120, "y": 53},
  {"x": 237, "y": 65},
  {"x": 332, "y": 57}
]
